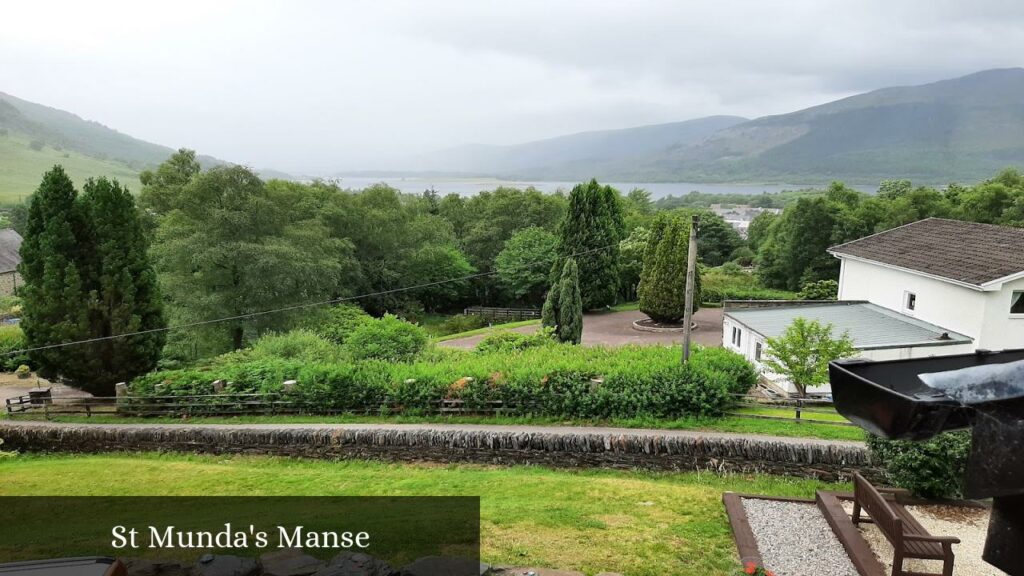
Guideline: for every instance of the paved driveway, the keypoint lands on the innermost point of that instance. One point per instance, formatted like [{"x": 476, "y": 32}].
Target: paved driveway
[{"x": 616, "y": 329}]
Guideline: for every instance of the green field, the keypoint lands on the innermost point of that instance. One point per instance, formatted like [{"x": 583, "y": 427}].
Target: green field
[
  {"x": 22, "y": 168},
  {"x": 641, "y": 524}
]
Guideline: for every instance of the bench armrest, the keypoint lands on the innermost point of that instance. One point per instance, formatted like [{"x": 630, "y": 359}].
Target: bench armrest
[{"x": 930, "y": 538}]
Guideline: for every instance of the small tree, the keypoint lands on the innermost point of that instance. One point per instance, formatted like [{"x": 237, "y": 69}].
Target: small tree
[
  {"x": 803, "y": 352},
  {"x": 570, "y": 304},
  {"x": 563, "y": 308},
  {"x": 517, "y": 264}
]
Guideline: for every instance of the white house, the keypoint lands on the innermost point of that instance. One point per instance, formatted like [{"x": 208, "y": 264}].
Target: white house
[{"x": 932, "y": 287}]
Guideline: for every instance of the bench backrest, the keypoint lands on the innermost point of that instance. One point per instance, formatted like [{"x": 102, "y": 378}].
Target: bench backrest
[{"x": 872, "y": 501}]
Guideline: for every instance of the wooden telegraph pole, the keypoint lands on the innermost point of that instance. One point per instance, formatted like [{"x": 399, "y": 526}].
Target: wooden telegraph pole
[{"x": 691, "y": 271}]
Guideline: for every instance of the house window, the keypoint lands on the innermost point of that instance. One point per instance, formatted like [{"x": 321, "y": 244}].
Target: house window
[
  {"x": 1017, "y": 302},
  {"x": 757, "y": 351},
  {"x": 909, "y": 301},
  {"x": 737, "y": 336}
]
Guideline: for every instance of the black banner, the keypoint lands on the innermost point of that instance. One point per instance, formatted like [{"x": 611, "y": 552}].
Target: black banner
[{"x": 251, "y": 532}]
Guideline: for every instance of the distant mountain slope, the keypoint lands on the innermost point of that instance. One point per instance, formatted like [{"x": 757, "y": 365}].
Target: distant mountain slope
[
  {"x": 963, "y": 129},
  {"x": 34, "y": 137},
  {"x": 581, "y": 153}
]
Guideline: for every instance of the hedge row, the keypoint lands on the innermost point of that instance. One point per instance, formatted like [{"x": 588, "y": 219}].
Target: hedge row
[{"x": 562, "y": 381}]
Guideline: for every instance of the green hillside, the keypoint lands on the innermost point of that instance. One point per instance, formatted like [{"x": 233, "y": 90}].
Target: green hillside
[
  {"x": 21, "y": 167},
  {"x": 34, "y": 137},
  {"x": 963, "y": 129}
]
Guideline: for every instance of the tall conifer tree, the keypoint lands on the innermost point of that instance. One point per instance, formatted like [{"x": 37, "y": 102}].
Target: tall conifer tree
[
  {"x": 87, "y": 276},
  {"x": 591, "y": 232},
  {"x": 662, "y": 289}
]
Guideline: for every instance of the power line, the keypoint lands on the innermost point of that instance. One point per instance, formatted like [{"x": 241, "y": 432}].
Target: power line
[{"x": 291, "y": 308}]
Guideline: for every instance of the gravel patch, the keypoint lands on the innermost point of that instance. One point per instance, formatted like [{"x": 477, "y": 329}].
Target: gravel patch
[
  {"x": 968, "y": 524},
  {"x": 796, "y": 540}
]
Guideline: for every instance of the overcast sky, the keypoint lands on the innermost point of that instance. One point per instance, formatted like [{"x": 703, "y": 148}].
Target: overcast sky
[{"x": 319, "y": 86}]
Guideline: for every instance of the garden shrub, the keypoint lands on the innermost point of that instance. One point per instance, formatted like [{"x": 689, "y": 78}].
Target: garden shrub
[
  {"x": 297, "y": 344},
  {"x": 508, "y": 341},
  {"x": 387, "y": 338},
  {"x": 461, "y": 323},
  {"x": 336, "y": 323},
  {"x": 933, "y": 468},
  {"x": 11, "y": 339},
  {"x": 742, "y": 374},
  {"x": 550, "y": 380}
]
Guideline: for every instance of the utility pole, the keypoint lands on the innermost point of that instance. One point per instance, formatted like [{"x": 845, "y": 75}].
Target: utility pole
[{"x": 691, "y": 271}]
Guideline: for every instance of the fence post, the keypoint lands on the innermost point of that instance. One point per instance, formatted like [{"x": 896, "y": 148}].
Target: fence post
[{"x": 799, "y": 405}]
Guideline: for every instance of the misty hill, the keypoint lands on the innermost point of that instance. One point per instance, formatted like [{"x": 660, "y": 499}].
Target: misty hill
[
  {"x": 965, "y": 130},
  {"x": 581, "y": 154},
  {"x": 34, "y": 137}
]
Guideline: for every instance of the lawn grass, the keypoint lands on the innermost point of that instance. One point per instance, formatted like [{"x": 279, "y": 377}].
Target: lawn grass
[
  {"x": 734, "y": 424},
  {"x": 636, "y": 523},
  {"x": 488, "y": 329}
]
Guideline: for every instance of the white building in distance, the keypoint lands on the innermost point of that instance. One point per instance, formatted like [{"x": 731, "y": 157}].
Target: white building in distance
[{"x": 932, "y": 287}]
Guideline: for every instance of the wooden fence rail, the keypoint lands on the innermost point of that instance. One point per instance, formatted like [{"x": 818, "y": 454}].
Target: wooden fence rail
[
  {"x": 506, "y": 314},
  {"x": 238, "y": 404}
]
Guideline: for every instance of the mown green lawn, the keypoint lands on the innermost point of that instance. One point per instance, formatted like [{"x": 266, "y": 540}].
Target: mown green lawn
[
  {"x": 736, "y": 424},
  {"x": 641, "y": 524}
]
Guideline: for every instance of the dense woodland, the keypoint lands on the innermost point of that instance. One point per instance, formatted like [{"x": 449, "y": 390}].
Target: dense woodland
[{"x": 205, "y": 245}]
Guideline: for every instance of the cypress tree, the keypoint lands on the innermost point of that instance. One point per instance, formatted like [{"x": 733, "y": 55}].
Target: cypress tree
[
  {"x": 87, "y": 276},
  {"x": 591, "y": 232},
  {"x": 662, "y": 287},
  {"x": 570, "y": 309},
  {"x": 53, "y": 302},
  {"x": 549, "y": 312},
  {"x": 127, "y": 298}
]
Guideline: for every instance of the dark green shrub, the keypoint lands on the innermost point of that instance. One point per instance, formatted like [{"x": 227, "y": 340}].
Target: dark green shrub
[
  {"x": 742, "y": 376},
  {"x": 387, "y": 338},
  {"x": 297, "y": 344},
  {"x": 820, "y": 290},
  {"x": 461, "y": 323},
  {"x": 930, "y": 469},
  {"x": 507, "y": 341},
  {"x": 12, "y": 339},
  {"x": 549, "y": 380},
  {"x": 336, "y": 323}
]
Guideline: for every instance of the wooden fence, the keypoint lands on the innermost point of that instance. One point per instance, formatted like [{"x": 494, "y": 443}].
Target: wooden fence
[
  {"x": 239, "y": 404},
  {"x": 503, "y": 314}
]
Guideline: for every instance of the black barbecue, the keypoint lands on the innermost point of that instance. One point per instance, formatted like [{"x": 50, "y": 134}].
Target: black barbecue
[{"x": 916, "y": 399}]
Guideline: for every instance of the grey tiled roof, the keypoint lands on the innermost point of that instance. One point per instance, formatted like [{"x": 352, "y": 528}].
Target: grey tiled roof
[
  {"x": 10, "y": 244},
  {"x": 868, "y": 325},
  {"x": 967, "y": 252}
]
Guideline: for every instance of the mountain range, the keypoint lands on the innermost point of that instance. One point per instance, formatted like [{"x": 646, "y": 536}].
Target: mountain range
[{"x": 964, "y": 130}]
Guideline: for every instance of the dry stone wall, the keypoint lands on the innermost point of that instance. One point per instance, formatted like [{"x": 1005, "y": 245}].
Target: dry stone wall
[{"x": 562, "y": 449}]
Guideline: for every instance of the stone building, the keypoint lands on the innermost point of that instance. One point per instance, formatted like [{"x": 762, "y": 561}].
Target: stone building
[{"x": 10, "y": 244}]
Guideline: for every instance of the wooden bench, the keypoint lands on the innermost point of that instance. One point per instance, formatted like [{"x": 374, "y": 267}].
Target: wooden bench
[{"x": 908, "y": 538}]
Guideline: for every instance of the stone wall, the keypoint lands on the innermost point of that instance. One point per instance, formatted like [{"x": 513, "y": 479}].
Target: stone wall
[
  {"x": 9, "y": 281},
  {"x": 568, "y": 449}
]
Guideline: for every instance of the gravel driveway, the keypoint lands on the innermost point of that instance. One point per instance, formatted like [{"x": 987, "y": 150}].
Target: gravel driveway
[{"x": 616, "y": 329}]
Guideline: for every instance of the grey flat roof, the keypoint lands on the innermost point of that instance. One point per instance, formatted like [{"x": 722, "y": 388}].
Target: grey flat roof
[{"x": 869, "y": 326}]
